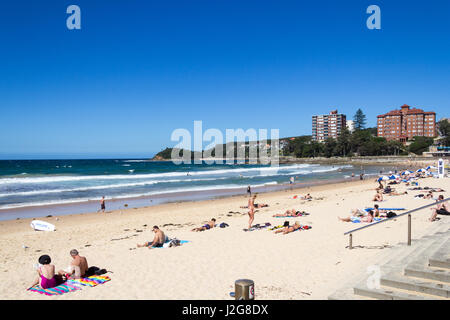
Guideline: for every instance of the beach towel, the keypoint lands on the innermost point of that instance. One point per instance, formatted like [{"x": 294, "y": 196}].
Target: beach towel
[
  {"x": 91, "y": 281},
  {"x": 275, "y": 227},
  {"x": 55, "y": 291},
  {"x": 258, "y": 227},
  {"x": 167, "y": 244}
]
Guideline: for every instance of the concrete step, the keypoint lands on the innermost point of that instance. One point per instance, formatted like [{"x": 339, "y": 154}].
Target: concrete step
[
  {"x": 413, "y": 253},
  {"x": 441, "y": 258},
  {"x": 419, "y": 270},
  {"x": 396, "y": 280},
  {"x": 347, "y": 294},
  {"x": 384, "y": 294}
]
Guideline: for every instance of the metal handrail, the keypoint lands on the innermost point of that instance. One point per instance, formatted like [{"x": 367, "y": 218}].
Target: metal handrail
[{"x": 397, "y": 216}]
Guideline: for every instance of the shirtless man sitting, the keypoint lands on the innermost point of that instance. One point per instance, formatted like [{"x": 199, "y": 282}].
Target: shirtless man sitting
[
  {"x": 441, "y": 208},
  {"x": 78, "y": 266},
  {"x": 378, "y": 197},
  {"x": 209, "y": 225},
  {"x": 158, "y": 240}
]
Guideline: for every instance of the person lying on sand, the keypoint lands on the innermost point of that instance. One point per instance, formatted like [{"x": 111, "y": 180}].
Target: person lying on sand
[
  {"x": 368, "y": 218},
  {"x": 441, "y": 208},
  {"x": 257, "y": 205},
  {"x": 378, "y": 196},
  {"x": 289, "y": 229},
  {"x": 290, "y": 213},
  {"x": 209, "y": 225},
  {"x": 158, "y": 240},
  {"x": 429, "y": 195},
  {"x": 307, "y": 197},
  {"x": 397, "y": 193},
  {"x": 46, "y": 277},
  {"x": 78, "y": 266}
]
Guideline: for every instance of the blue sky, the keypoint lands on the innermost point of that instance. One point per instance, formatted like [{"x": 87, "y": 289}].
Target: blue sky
[{"x": 137, "y": 70}]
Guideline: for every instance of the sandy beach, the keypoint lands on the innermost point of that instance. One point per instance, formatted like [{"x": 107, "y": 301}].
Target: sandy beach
[{"x": 308, "y": 264}]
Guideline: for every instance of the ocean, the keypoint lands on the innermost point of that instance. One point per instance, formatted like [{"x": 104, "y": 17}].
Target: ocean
[{"x": 74, "y": 186}]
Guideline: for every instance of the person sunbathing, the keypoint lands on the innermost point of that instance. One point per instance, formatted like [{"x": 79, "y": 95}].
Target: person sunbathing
[
  {"x": 290, "y": 213},
  {"x": 368, "y": 218},
  {"x": 429, "y": 195},
  {"x": 289, "y": 229},
  {"x": 158, "y": 240},
  {"x": 207, "y": 226},
  {"x": 307, "y": 197},
  {"x": 257, "y": 205},
  {"x": 442, "y": 208},
  {"x": 378, "y": 197},
  {"x": 397, "y": 193}
]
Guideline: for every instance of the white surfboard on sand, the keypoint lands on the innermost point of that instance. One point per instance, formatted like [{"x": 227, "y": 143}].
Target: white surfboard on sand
[{"x": 42, "y": 225}]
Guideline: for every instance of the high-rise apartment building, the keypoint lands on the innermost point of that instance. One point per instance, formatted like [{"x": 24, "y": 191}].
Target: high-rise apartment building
[
  {"x": 406, "y": 123},
  {"x": 328, "y": 126}
]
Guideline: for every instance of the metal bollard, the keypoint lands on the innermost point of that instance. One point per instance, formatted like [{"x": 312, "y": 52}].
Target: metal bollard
[{"x": 244, "y": 289}]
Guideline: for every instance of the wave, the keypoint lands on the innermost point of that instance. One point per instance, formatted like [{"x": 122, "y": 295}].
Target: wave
[
  {"x": 126, "y": 196},
  {"x": 102, "y": 187},
  {"x": 262, "y": 170}
]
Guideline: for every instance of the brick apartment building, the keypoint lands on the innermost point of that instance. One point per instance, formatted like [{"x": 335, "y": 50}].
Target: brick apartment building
[
  {"x": 328, "y": 126},
  {"x": 404, "y": 124}
]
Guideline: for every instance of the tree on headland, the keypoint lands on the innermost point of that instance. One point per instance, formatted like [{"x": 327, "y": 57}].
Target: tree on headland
[
  {"x": 444, "y": 131},
  {"x": 359, "y": 120},
  {"x": 420, "y": 144}
]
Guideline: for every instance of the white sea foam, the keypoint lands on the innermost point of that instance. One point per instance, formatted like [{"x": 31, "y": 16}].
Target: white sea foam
[{"x": 264, "y": 171}]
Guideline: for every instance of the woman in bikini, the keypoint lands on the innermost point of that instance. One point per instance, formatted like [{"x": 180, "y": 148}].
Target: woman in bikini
[
  {"x": 251, "y": 212},
  {"x": 289, "y": 229},
  {"x": 46, "y": 273}
]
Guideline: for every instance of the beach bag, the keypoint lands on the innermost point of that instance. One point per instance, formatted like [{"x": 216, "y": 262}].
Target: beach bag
[
  {"x": 223, "y": 225},
  {"x": 174, "y": 243},
  {"x": 391, "y": 214}
]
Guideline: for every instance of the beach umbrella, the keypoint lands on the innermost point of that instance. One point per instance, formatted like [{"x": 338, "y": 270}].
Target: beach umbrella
[
  {"x": 383, "y": 178},
  {"x": 393, "y": 177},
  {"x": 431, "y": 167},
  {"x": 421, "y": 170},
  {"x": 406, "y": 172}
]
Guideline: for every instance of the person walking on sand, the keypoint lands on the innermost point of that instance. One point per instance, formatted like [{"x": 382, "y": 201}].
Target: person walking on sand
[
  {"x": 102, "y": 204},
  {"x": 249, "y": 191},
  {"x": 158, "y": 240},
  {"x": 251, "y": 212}
]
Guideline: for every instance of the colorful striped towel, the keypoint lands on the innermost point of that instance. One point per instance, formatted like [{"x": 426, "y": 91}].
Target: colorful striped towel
[
  {"x": 56, "y": 291},
  {"x": 91, "y": 281}
]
